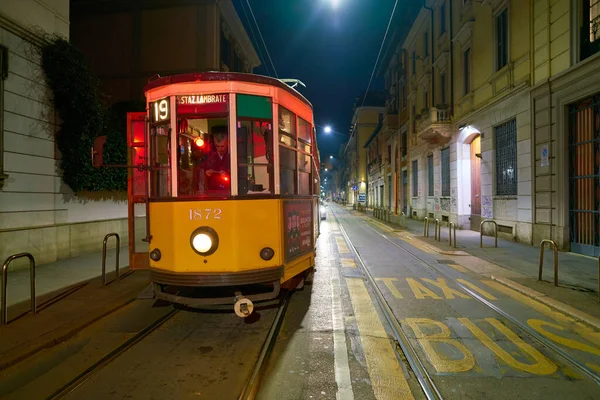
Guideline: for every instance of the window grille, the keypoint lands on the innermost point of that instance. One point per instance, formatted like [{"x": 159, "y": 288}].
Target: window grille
[
  {"x": 430, "y": 175},
  {"x": 506, "y": 158},
  {"x": 415, "y": 178},
  {"x": 446, "y": 171}
]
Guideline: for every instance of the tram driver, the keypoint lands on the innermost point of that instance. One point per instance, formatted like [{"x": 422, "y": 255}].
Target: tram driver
[{"x": 217, "y": 167}]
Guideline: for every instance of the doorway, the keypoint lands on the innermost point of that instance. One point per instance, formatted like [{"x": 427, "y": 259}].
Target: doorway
[
  {"x": 584, "y": 177},
  {"x": 476, "y": 183}
]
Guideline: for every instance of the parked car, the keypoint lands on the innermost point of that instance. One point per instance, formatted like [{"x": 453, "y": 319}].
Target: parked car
[{"x": 323, "y": 210}]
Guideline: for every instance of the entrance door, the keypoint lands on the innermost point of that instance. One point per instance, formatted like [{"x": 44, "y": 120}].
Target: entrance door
[
  {"x": 137, "y": 190},
  {"x": 584, "y": 177},
  {"x": 475, "y": 183}
]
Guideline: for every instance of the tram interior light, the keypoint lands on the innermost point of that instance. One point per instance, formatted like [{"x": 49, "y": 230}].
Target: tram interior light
[{"x": 199, "y": 142}]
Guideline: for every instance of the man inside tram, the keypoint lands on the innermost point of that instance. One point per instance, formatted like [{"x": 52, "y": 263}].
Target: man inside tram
[{"x": 217, "y": 166}]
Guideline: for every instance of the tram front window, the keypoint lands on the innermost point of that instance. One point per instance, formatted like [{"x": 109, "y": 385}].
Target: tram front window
[
  {"x": 204, "y": 166},
  {"x": 254, "y": 156}
]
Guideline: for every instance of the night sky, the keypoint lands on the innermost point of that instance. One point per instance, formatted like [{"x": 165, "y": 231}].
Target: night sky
[{"x": 331, "y": 49}]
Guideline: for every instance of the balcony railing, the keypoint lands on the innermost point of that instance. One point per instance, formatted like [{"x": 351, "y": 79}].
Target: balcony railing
[
  {"x": 435, "y": 124},
  {"x": 434, "y": 116}
]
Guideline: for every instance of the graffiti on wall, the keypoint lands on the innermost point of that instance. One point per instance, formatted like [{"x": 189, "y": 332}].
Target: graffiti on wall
[{"x": 486, "y": 206}]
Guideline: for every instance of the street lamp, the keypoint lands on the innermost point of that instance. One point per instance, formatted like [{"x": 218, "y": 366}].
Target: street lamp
[
  {"x": 331, "y": 157},
  {"x": 327, "y": 129}
]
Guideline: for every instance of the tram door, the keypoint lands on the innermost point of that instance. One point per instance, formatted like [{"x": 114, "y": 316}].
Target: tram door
[{"x": 137, "y": 190}]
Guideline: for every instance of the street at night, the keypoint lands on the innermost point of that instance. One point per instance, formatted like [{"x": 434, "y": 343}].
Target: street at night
[{"x": 300, "y": 199}]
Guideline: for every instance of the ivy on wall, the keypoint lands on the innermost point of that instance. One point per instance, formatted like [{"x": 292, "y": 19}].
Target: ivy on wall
[{"x": 83, "y": 117}]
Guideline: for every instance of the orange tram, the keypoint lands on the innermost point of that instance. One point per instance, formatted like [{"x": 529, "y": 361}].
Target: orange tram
[{"x": 223, "y": 189}]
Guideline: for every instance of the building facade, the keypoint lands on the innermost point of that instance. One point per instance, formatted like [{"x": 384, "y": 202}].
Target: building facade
[
  {"x": 503, "y": 104},
  {"x": 368, "y": 114},
  {"x": 470, "y": 141},
  {"x": 565, "y": 126},
  {"x": 38, "y": 213},
  {"x": 165, "y": 37}
]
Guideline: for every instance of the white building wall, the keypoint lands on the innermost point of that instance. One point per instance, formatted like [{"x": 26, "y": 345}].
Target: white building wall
[{"x": 38, "y": 213}]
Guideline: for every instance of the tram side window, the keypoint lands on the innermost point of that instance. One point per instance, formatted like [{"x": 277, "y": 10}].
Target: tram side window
[
  {"x": 304, "y": 158},
  {"x": 254, "y": 153},
  {"x": 204, "y": 164},
  {"x": 160, "y": 174},
  {"x": 287, "y": 151}
]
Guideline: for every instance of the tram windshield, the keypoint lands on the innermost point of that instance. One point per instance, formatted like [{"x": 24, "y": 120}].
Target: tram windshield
[{"x": 204, "y": 165}]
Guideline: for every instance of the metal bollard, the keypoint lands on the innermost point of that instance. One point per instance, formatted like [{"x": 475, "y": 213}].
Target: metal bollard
[
  {"x": 542, "y": 243},
  {"x": 426, "y": 227},
  {"x": 450, "y": 226},
  {"x": 104, "y": 256},
  {"x": 403, "y": 219},
  {"x": 481, "y": 231},
  {"x": 4, "y": 309},
  {"x": 437, "y": 230}
]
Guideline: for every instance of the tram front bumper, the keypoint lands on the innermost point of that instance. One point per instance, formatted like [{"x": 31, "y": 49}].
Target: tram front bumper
[{"x": 192, "y": 280}]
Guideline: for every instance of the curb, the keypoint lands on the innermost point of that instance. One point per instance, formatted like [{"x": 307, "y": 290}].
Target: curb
[{"x": 550, "y": 302}]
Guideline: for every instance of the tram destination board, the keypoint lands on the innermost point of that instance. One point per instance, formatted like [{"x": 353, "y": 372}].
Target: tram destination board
[{"x": 297, "y": 219}]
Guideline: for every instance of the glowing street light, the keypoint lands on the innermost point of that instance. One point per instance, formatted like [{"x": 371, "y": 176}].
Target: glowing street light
[
  {"x": 327, "y": 129},
  {"x": 331, "y": 157}
]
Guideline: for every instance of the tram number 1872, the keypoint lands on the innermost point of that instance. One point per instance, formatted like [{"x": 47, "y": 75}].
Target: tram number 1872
[{"x": 208, "y": 213}]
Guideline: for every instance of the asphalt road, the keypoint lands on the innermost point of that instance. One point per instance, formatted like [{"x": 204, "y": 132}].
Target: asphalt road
[{"x": 475, "y": 338}]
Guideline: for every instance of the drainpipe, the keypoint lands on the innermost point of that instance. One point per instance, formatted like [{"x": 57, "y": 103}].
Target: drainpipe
[
  {"x": 431, "y": 33},
  {"x": 450, "y": 33}
]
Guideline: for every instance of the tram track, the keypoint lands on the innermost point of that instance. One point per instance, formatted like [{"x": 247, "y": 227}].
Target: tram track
[
  {"x": 86, "y": 375},
  {"x": 429, "y": 388},
  {"x": 254, "y": 374},
  {"x": 426, "y": 383},
  {"x": 539, "y": 338}
]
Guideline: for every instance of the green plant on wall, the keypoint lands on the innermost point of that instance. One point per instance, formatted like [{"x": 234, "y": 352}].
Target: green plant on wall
[{"x": 83, "y": 117}]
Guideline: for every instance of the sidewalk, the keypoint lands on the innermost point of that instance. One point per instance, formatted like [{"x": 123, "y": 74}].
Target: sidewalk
[
  {"x": 575, "y": 271},
  {"x": 63, "y": 273}
]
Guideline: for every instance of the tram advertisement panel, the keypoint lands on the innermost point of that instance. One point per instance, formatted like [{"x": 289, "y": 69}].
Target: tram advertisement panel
[{"x": 297, "y": 217}]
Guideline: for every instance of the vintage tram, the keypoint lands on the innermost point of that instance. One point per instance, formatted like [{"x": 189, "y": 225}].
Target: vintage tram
[{"x": 224, "y": 189}]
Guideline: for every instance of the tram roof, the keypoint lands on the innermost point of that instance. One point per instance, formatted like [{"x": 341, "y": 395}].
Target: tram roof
[{"x": 224, "y": 76}]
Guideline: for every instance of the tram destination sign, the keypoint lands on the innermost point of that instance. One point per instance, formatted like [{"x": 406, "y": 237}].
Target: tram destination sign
[
  {"x": 297, "y": 217},
  {"x": 203, "y": 103}
]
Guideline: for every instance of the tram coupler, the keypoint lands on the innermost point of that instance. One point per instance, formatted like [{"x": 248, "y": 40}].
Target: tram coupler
[{"x": 243, "y": 306}]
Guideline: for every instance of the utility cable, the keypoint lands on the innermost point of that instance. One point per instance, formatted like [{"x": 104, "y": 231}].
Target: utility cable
[{"x": 263, "y": 40}]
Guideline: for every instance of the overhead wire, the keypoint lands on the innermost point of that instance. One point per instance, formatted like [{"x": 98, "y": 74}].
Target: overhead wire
[
  {"x": 261, "y": 37},
  {"x": 379, "y": 54},
  {"x": 260, "y": 53}
]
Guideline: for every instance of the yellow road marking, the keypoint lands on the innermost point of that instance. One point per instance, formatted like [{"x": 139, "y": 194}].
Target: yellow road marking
[
  {"x": 477, "y": 289},
  {"x": 420, "y": 291},
  {"x": 387, "y": 376},
  {"x": 341, "y": 245},
  {"x": 348, "y": 262},
  {"x": 388, "y": 282},
  {"x": 579, "y": 328},
  {"x": 448, "y": 291},
  {"x": 459, "y": 268},
  {"x": 438, "y": 360},
  {"x": 542, "y": 365}
]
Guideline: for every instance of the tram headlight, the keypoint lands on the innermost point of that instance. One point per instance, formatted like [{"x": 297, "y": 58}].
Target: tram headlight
[{"x": 204, "y": 241}]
